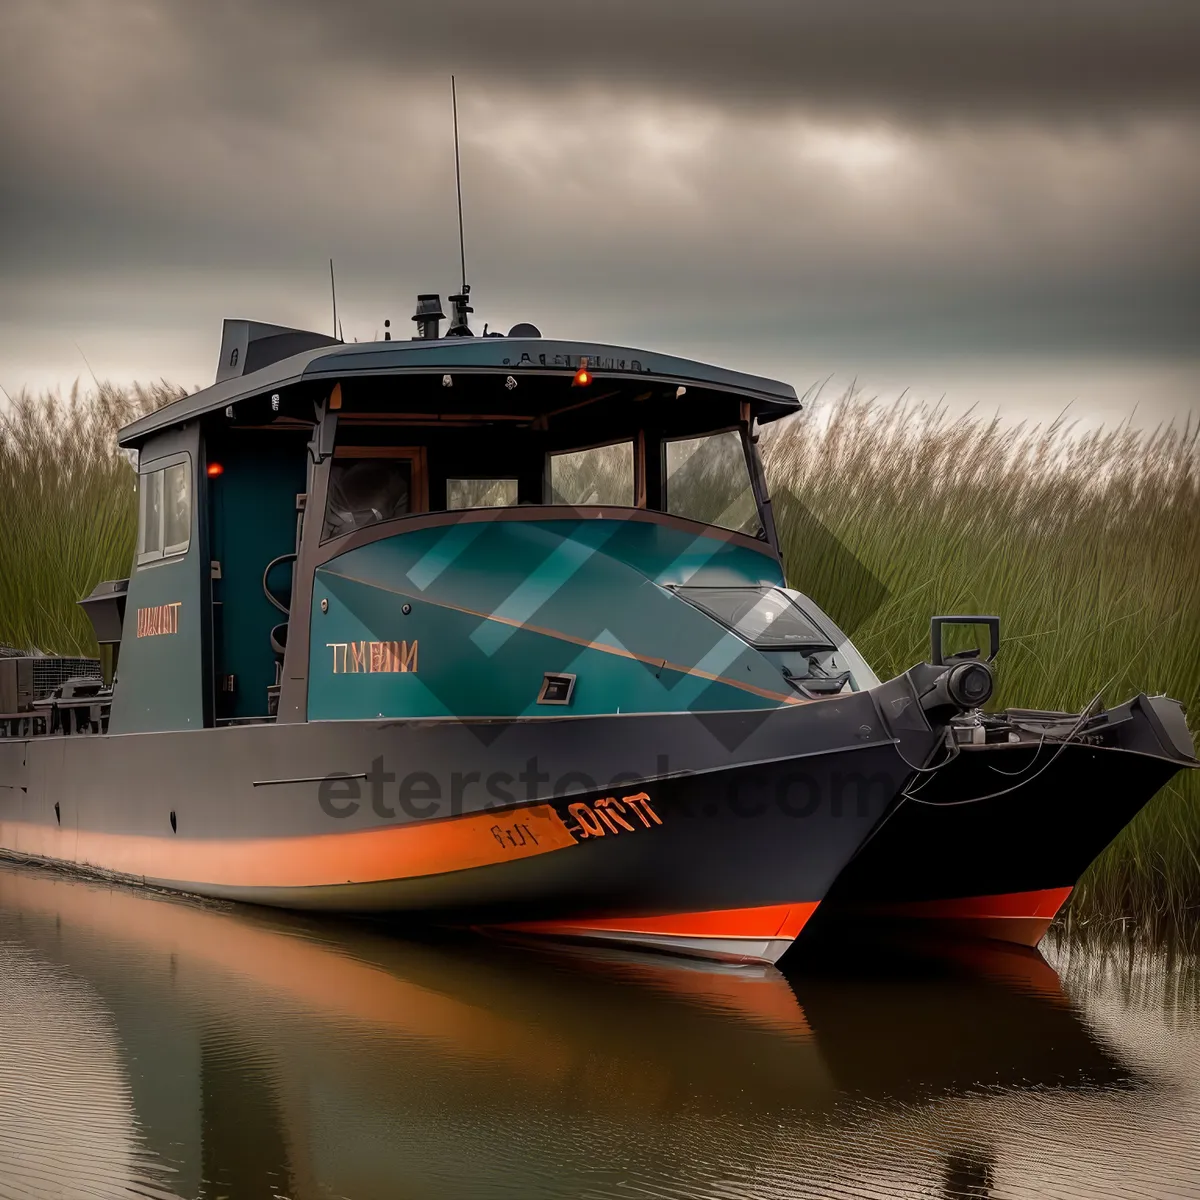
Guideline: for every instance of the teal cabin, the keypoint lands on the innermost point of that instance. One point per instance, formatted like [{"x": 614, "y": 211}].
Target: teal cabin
[{"x": 456, "y": 526}]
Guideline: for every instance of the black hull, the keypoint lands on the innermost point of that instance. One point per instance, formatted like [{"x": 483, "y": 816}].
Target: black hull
[
  {"x": 996, "y": 840},
  {"x": 716, "y": 836}
]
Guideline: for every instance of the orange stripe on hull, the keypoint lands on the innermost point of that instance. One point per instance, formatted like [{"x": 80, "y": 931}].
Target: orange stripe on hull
[
  {"x": 767, "y": 921},
  {"x": 1021, "y": 917},
  {"x": 359, "y": 856}
]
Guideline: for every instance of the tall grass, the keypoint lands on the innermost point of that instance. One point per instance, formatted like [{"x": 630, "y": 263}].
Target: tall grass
[
  {"x": 68, "y": 509},
  {"x": 1086, "y": 544}
]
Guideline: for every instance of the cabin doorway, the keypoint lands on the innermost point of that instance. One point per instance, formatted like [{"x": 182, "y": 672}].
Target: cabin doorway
[{"x": 254, "y": 480}]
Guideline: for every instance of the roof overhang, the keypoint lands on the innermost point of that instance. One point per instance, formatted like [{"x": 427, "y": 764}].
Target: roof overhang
[{"x": 518, "y": 356}]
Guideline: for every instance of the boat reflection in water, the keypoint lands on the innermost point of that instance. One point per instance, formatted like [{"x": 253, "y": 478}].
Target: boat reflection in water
[{"x": 186, "y": 1049}]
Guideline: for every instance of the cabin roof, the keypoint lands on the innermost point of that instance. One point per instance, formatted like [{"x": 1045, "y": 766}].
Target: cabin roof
[{"x": 476, "y": 354}]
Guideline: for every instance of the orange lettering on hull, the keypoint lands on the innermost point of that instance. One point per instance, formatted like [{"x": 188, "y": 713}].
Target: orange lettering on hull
[
  {"x": 158, "y": 620},
  {"x": 607, "y": 815},
  {"x": 373, "y": 658}
]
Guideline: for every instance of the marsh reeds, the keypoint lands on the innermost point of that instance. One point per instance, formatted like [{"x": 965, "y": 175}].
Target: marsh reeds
[
  {"x": 1086, "y": 544},
  {"x": 68, "y": 509}
]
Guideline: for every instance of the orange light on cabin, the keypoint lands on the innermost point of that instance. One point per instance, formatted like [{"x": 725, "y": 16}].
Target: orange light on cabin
[
  {"x": 215, "y": 469},
  {"x": 582, "y": 377}
]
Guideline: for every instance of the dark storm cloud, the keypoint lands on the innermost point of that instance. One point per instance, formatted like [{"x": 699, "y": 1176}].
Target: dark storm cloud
[
  {"x": 948, "y": 173},
  {"x": 940, "y": 58}
]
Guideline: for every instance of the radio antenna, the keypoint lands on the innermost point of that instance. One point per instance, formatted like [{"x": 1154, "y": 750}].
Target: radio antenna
[
  {"x": 462, "y": 251},
  {"x": 462, "y": 302},
  {"x": 333, "y": 293}
]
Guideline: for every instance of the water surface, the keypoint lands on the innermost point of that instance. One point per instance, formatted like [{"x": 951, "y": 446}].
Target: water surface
[{"x": 163, "y": 1047}]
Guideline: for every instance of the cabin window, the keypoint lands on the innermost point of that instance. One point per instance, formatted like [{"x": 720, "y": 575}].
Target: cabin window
[
  {"x": 177, "y": 508},
  {"x": 480, "y": 493},
  {"x": 150, "y": 522},
  {"x": 366, "y": 490},
  {"x": 708, "y": 480},
  {"x": 601, "y": 475},
  {"x": 164, "y": 512}
]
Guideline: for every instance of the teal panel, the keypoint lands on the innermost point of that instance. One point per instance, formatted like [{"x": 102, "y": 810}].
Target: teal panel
[
  {"x": 252, "y": 506},
  {"x": 160, "y": 675},
  {"x": 495, "y": 605}
]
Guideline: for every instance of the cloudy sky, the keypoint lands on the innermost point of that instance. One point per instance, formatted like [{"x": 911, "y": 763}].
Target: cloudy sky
[{"x": 994, "y": 201}]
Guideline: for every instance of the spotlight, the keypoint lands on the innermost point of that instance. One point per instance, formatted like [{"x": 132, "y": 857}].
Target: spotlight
[{"x": 970, "y": 684}]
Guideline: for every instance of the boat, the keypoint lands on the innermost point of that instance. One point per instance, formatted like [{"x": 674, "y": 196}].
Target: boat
[
  {"x": 991, "y": 839},
  {"x": 486, "y": 631}
]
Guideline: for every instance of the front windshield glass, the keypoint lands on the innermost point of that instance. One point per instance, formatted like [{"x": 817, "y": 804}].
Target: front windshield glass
[
  {"x": 480, "y": 493},
  {"x": 601, "y": 475},
  {"x": 707, "y": 480}
]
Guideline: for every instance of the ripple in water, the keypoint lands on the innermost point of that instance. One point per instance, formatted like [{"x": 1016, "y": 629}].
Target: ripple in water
[
  {"x": 171, "y": 1048},
  {"x": 67, "y": 1120}
]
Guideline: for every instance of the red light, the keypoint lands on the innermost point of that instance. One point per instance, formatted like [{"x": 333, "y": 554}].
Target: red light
[
  {"x": 215, "y": 469},
  {"x": 582, "y": 377}
]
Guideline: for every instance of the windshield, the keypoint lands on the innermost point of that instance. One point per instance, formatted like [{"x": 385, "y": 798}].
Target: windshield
[
  {"x": 707, "y": 480},
  {"x": 601, "y": 475},
  {"x": 480, "y": 493}
]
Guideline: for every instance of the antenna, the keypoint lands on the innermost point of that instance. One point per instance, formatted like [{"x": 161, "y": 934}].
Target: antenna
[
  {"x": 462, "y": 251},
  {"x": 333, "y": 291},
  {"x": 462, "y": 302}
]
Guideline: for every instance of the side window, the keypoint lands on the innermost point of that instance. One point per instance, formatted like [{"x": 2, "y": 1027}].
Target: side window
[
  {"x": 150, "y": 524},
  {"x": 177, "y": 509},
  {"x": 602, "y": 475},
  {"x": 164, "y": 512},
  {"x": 480, "y": 493}
]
